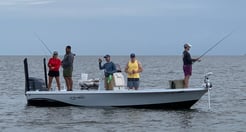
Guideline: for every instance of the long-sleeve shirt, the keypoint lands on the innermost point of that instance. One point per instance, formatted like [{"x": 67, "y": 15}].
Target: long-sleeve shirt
[
  {"x": 109, "y": 68},
  {"x": 187, "y": 60},
  {"x": 68, "y": 60}
]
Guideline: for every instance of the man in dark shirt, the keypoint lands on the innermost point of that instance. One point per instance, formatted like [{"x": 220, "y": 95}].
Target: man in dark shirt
[
  {"x": 187, "y": 64},
  {"x": 67, "y": 64},
  {"x": 109, "y": 68}
]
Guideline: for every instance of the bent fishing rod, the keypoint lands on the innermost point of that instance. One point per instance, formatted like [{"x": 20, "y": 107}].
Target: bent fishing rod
[
  {"x": 43, "y": 42},
  {"x": 216, "y": 44},
  {"x": 44, "y": 60}
]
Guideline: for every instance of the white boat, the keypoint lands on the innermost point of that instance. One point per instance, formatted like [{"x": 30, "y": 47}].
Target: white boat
[{"x": 161, "y": 98}]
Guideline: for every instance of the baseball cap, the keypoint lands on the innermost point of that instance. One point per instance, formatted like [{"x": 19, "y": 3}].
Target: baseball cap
[
  {"x": 106, "y": 56},
  {"x": 55, "y": 53},
  {"x": 132, "y": 55},
  {"x": 187, "y": 45}
]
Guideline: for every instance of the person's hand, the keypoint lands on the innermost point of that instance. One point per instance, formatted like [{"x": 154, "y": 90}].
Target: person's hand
[
  {"x": 198, "y": 59},
  {"x": 99, "y": 60}
]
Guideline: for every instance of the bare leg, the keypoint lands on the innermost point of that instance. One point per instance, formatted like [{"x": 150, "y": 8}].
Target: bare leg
[
  {"x": 70, "y": 83},
  {"x": 66, "y": 81},
  {"x": 50, "y": 82},
  {"x": 186, "y": 81},
  {"x": 58, "y": 83}
]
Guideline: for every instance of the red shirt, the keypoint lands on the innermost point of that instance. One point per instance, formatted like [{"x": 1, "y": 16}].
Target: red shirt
[{"x": 54, "y": 64}]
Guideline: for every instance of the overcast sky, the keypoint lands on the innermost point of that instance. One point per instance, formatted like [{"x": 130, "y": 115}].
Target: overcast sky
[{"x": 120, "y": 27}]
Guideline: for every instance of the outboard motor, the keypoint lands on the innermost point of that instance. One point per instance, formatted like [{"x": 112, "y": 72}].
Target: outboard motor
[
  {"x": 37, "y": 84},
  {"x": 207, "y": 83}
]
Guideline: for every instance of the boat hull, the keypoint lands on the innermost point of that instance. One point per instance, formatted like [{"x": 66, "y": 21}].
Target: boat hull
[{"x": 151, "y": 98}]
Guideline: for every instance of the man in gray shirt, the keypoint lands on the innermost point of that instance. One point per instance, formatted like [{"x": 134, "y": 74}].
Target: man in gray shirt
[{"x": 67, "y": 65}]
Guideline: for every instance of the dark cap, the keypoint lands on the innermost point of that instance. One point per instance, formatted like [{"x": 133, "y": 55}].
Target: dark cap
[
  {"x": 132, "y": 55},
  {"x": 106, "y": 56}
]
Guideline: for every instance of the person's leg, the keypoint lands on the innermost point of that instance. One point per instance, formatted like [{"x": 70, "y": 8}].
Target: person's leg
[
  {"x": 58, "y": 82},
  {"x": 70, "y": 83},
  {"x": 50, "y": 82},
  {"x": 67, "y": 74},
  {"x": 106, "y": 83},
  {"x": 111, "y": 84},
  {"x": 136, "y": 84},
  {"x": 130, "y": 84},
  {"x": 67, "y": 83},
  {"x": 187, "y": 74},
  {"x": 70, "y": 79},
  {"x": 186, "y": 81}
]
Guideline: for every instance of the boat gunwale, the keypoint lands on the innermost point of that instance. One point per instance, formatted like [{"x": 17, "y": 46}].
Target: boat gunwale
[{"x": 143, "y": 91}]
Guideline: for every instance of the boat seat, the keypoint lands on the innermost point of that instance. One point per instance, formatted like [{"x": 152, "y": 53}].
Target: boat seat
[{"x": 119, "y": 80}]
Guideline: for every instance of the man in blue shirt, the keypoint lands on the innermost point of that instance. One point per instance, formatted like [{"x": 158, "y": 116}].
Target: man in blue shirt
[{"x": 109, "y": 68}]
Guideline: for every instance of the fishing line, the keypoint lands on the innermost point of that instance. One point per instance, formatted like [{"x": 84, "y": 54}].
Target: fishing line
[
  {"x": 43, "y": 43},
  {"x": 44, "y": 60}
]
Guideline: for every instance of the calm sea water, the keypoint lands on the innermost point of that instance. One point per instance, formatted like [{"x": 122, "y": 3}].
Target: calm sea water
[{"x": 228, "y": 98}]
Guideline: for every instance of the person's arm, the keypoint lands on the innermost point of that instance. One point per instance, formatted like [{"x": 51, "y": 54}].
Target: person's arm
[
  {"x": 140, "y": 68},
  {"x": 126, "y": 68},
  {"x": 196, "y": 59},
  {"x": 100, "y": 64},
  {"x": 51, "y": 67},
  {"x": 49, "y": 63}
]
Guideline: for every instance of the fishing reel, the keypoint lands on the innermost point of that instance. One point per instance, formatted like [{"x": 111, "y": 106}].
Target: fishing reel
[{"x": 206, "y": 82}]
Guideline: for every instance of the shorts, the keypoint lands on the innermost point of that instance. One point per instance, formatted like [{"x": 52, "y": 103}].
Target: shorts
[
  {"x": 54, "y": 73},
  {"x": 67, "y": 72},
  {"x": 133, "y": 82},
  {"x": 187, "y": 70},
  {"x": 109, "y": 85}
]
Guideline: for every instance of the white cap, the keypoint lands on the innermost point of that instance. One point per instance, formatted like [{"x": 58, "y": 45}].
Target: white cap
[{"x": 187, "y": 45}]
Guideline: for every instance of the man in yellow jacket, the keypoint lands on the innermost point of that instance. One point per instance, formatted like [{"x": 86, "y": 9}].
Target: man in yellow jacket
[{"x": 133, "y": 70}]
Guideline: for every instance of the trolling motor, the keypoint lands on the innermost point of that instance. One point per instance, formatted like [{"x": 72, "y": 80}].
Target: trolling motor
[{"x": 207, "y": 83}]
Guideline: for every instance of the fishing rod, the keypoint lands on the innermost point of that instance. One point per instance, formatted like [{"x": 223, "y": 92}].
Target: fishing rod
[
  {"x": 42, "y": 42},
  {"x": 215, "y": 45},
  {"x": 44, "y": 60}
]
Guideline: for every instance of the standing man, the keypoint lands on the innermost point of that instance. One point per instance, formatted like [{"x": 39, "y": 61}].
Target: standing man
[
  {"x": 67, "y": 64},
  {"x": 187, "y": 64},
  {"x": 133, "y": 68},
  {"x": 109, "y": 69},
  {"x": 54, "y": 66}
]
